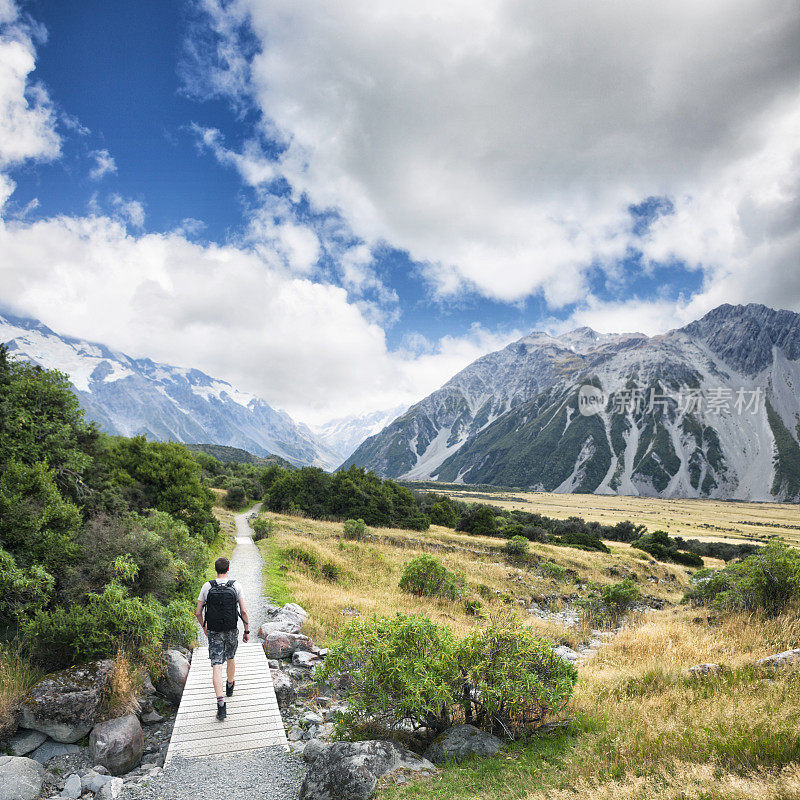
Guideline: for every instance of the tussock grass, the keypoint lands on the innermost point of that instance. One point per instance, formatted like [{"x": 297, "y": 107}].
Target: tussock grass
[
  {"x": 125, "y": 683},
  {"x": 17, "y": 676}
]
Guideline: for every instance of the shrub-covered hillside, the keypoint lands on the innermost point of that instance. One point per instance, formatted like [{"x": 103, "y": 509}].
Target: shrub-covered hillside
[{"x": 103, "y": 540}]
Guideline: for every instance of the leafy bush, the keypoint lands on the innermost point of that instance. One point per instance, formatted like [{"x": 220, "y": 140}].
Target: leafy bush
[
  {"x": 354, "y": 529},
  {"x": 302, "y": 556},
  {"x": 330, "y": 571},
  {"x": 236, "y": 496},
  {"x": 552, "y": 570},
  {"x": 766, "y": 581},
  {"x": 262, "y": 528},
  {"x": 426, "y": 576},
  {"x": 664, "y": 548},
  {"x": 479, "y": 520},
  {"x": 443, "y": 513},
  {"x": 408, "y": 670},
  {"x": 516, "y": 547},
  {"x": 619, "y": 597}
]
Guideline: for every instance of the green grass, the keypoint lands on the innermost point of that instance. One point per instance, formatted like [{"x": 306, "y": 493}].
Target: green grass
[{"x": 275, "y": 585}]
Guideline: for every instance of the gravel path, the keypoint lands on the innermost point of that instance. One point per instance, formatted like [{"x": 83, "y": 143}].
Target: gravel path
[{"x": 268, "y": 774}]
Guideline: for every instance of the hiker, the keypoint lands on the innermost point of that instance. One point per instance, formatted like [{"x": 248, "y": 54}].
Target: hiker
[{"x": 223, "y": 602}]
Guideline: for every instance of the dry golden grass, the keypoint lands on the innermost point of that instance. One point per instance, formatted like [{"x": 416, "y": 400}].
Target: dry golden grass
[
  {"x": 126, "y": 680},
  {"x": 371, "y": 570},
  {"x": 717, "y": 520}
]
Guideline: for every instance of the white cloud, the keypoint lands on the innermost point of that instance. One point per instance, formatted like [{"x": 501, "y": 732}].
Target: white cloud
[
  {"x": 299, "y": 344},
  {"x": 129, "y": 211},
  {"x": 104, "y": 164},
  {"x": 27, "y": 122},
  {"x": 501, "y": 142}
]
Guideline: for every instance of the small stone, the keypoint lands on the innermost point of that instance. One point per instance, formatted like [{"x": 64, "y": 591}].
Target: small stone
[
  {"x": 295, "y": 734},
  {"x": 311, "y": 718},
  {"x": 93, "y": 781},
  {"x": 703, "y": 670},
  {"x": 72, "y": 787},
  {"x": 305, "y": 659},
  {"x": 787, "y": 658},
  {"x": 111, "y": 791},
  {"x": 567, "y": 653},
  {"x": 151, "y": 718}
]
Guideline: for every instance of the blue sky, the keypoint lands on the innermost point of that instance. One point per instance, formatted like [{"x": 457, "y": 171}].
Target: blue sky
[{"x": 337, "y": 206}]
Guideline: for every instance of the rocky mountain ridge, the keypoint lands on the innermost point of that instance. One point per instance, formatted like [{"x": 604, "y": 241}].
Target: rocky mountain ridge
[{"x": 675, "y": 419}]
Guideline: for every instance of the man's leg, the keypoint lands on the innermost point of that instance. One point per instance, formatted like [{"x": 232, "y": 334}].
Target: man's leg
[
  {"x": 217, "y": 679},
  {"x": 216, "y": 653},
  {"x": 231, "y": 669}
]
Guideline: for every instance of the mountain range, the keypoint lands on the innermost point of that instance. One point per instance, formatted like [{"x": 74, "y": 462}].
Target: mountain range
[
  {"x": 129, "y": 396},
  {"x": 708, "y": 410}
]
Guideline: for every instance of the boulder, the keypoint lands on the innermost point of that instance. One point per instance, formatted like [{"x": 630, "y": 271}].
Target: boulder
[
  {"x": 20, "y": 778},
  {"x": 64, "y": 704},
  {"x": 281, "y": 645},
  {"x": 296, "y": 610},
  {"x": 312, "y": 749},
  {"x": 111, "y": 790},
  {"x": 25, "y": 742},
  {"x": 703, "y": 670},
  {"x": 460, "y": 742},
  {"x": 49, "y": 750},
  {"x": 173, "y": 678},
  {"x": 303, "y": 658},
  {"x": 787, "y": 658},
  {"x": 280, "y": 625},
  {"x": 567, "y": 653},
  {"x": 284, "y": 690},
  {"x": 117, "y": 744},
  {"x": 93, "y": 781},
  {"x": 350, "y": 770}
]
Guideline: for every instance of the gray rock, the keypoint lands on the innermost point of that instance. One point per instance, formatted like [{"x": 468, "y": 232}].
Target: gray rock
[
  {"x": 152, "y": 718},
  {"x": 284, "y": 690},
  {"x": 293, "y": 608},
  {"x": 460, "y": 742},
  {"x": 72, "y": 787},
  {"x": 313, "y": 749},
  {"x": 281, "y": 645},
  {"x": 49, "y": 750},
  {"x": 110, "y": 791},
  {"x": 280, "y": 625},
  {"x": 173, "y": 679},
  {"x": 303, "y": 658},
  {"x": 311, "y": 718},
  {"x": 787, "y": 658},
  {"x": 567, "y": 653},
  {"x": 117, "y": 744},
  {"x": 147, "y": 685},
  {"x": 64, "y": 704},
  {"x": 20, "y": 778},
  {"x": 350, "y": 770},
  {"x": 702, "y": 670},
  {"x": 25, "y": 742},
  {"x": 93, "y": 780}
]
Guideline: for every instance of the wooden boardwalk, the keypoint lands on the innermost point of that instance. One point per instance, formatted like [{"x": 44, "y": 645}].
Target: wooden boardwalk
[{"x": 254, "y": 720}]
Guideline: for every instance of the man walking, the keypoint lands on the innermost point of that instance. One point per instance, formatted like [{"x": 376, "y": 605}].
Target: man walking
[{"x": 223, "y": 602}]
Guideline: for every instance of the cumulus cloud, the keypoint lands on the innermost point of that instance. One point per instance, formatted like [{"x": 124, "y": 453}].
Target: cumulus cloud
[
  {"x": 27, "y": 121},
  {"x": 128, "y": 211},
  {"x": 501, "y": 143},
  {"x": 104, "y": 164},
  {"x": 299, "y": 344}
]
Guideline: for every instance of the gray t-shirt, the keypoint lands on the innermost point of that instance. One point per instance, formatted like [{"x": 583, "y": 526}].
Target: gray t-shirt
[{"x": 207, "y": 585}]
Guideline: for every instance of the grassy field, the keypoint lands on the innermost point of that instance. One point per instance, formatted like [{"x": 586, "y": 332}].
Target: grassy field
[
  {"x": 637, "y": 727},
  {"x": 718, "y": 520}
]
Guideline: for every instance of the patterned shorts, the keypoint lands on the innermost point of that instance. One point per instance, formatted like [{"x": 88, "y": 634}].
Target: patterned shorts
[{"x": 222, "y": 646}]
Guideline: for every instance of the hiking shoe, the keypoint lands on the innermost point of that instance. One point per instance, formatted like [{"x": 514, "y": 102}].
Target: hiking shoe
[
  {"x": 229, "y": 688},
  {"x": 222, "y": 711}
]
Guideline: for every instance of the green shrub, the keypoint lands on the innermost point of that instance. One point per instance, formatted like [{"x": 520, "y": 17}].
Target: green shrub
[
  {"x": 407, "y": 669},
  {"x": 660, "y": 545},
  {"x": 330, "y": 571},
  {"x": 472, "y": 606},
  {"x": 516, "y": 547},
  {"x": 443, "y": 513},
  {"x": 479, "y": 520},
  {"x": 302, "y": 556},
  {"x": 236, "y": 496},
  {"x": 619, "y": 597},
  {"x": 354, "y": 529},
  {"x": 484, "y": 591},
  {"x": 426, "y": 576},
  {"x": 766, "y": 581},
  {"x": 262, "y": 528},
  {"x": 552, "y": 570}
]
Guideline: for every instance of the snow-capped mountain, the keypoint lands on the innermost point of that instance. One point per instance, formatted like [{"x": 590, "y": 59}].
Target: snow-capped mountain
[
  {"x": 711, "y": 409},
  {"x": 345, "y": 434},
  {"x": 130, "y": 396}
]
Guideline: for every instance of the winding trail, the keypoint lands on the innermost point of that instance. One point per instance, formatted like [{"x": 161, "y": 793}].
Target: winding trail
[{"x": 244, "y": 756}]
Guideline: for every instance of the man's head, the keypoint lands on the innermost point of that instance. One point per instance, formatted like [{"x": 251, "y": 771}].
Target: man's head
[{"x": 222, "y": 565}]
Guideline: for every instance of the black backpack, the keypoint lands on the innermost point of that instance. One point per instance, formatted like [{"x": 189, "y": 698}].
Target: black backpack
[{"x": 222, "y": 611}]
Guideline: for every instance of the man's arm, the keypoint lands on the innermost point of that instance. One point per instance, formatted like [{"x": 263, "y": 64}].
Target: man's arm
[
  {"x": 199, "y": 614},
  {"x": 245, "y": 618}
]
